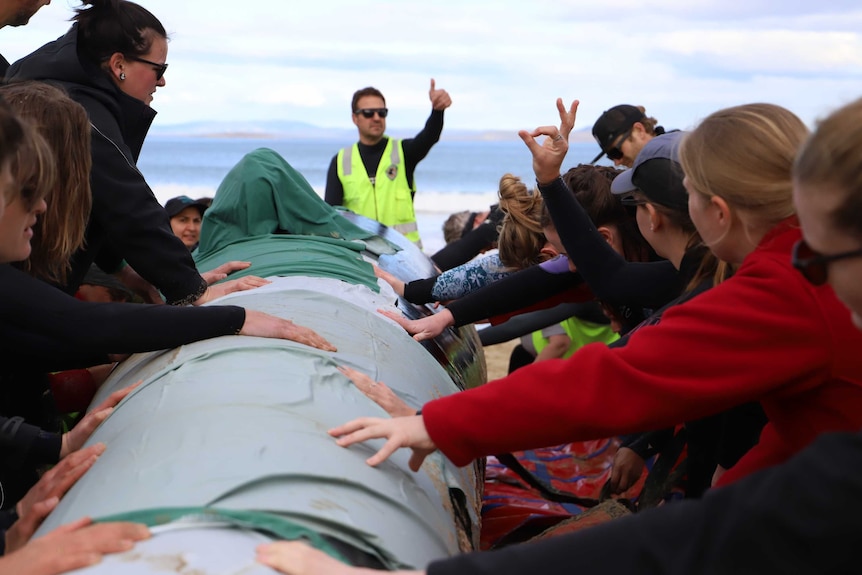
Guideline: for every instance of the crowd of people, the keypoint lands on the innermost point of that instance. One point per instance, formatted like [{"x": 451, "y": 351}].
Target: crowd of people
[{"x": 704, "y": 290}]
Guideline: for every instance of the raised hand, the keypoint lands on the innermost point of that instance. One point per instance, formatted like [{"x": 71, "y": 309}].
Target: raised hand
[
  {"x": 567, "y": 117},
  {"x": 425, "y": 328},
  {"x": 224, "y": 270},
  {"x": 264, "y": 325},
  {"x": 440, "y": 99},
  {"x": 547, "y": 156},
  {"x": 399, "y": 432},
  {"x": 378, "y": 392}
]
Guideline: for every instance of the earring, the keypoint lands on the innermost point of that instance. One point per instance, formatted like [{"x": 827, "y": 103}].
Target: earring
[
  {"x": 122, "y": 75},
  {"x": 651, "y": 228}
]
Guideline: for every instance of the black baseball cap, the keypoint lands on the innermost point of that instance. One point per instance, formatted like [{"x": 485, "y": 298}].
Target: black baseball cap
[
  {"x": 656, "y": 173},
  {"x": 612, "y": 124},
  {"x": 178, "y": 204}
]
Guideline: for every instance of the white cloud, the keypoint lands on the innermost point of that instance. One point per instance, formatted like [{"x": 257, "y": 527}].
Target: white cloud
[{"x": 504, "y": 62}]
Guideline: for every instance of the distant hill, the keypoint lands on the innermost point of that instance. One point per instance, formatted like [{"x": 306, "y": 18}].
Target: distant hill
[{"x": 285, "y": 129}]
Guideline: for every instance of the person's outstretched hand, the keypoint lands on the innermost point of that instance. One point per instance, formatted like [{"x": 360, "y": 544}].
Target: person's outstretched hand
[
  {"x": 397, "y": 284},
  {"x": 43, "y": 497},
  {"x": 74, "y": 546},
  {"x": 224, "y": 288},
  {"x": 298, "y": 558},
  {"x": 76, "y": 438},
  {"x": 399, "y": 432},
  {"x": 224, "y": 270},
  {"x": 262, "y": 324},
  {"x": 378, "y": 392},
  {"x": 424, "y": 328},
  {"x": 440, "y": 99},
  {"x": 627, "y": 468}
]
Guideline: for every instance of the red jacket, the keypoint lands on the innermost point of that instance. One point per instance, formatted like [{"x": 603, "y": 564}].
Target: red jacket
[{"x": 766, "y": 334}]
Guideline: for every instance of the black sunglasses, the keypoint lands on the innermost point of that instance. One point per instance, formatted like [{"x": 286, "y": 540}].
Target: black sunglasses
[
  {"x": 159, "y": 68},
  {"x": 633, "y": 201},
  {"x": 616, "y": 152},
  {"x": 369, "y": 112},
  {"x": 814, "y": 266}
]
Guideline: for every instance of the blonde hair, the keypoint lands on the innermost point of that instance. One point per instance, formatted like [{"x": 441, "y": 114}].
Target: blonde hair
[
  {"x": 831, "y": 157},
  {"x": 65, "y": 126},
  {"x": 744, "y": 155},
  {"x": 521, "y": 236}
]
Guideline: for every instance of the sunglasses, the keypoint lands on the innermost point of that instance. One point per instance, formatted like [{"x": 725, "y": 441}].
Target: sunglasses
[
  {"x": 616, "y": 152},
  {"x": 159, "y": 68},
  {"x": 369, "y": 112},
  {"x": 814, "y": 266},
  {"x": 632, "y": 200}
]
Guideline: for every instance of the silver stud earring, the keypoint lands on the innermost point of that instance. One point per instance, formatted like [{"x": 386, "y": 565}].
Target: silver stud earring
[{"x": 122, "y": 75}]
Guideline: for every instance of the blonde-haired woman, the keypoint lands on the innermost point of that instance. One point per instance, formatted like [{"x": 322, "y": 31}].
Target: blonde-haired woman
[
  {"x": 766, "y": 334},
  {"x": 521, "y": 244}
]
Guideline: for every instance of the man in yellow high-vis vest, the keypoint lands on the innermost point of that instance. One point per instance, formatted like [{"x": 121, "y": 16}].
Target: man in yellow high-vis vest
[{"x": 374, "y": 177}]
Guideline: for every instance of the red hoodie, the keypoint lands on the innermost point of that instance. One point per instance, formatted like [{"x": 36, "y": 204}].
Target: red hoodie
[{"x": 766, "y": 334}]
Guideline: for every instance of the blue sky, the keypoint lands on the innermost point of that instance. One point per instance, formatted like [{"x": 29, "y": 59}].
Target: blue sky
[{"x": 503, "y": 62}]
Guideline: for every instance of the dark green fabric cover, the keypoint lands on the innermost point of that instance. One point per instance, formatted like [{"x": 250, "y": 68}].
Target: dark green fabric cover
[{"x": 264, "y": 195}]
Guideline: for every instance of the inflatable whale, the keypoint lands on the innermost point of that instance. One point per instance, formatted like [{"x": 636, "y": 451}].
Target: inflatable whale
[{"x": 224, "y": 444}]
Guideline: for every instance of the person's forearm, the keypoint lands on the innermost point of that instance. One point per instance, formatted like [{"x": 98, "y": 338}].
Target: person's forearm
[
  {"x": 416, "y": 148},
  {"x": 610, "y": 277},
  {"x": 518, "y": 291},
  {"x": 469, "y": 246},
  {"x": 137, "y": 227}
]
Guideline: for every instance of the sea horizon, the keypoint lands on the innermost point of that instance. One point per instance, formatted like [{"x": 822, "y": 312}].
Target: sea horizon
[{"x": 456, "y": 175}]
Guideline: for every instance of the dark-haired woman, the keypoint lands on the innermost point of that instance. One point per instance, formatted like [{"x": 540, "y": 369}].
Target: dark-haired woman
[{"x": 112, "y": 61}]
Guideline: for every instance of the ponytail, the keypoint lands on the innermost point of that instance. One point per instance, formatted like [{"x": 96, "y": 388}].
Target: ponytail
[{"x": 111, "y": 26}]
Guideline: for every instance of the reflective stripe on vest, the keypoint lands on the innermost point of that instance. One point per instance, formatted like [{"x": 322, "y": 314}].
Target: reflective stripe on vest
[{"x": 388, "y": 197}]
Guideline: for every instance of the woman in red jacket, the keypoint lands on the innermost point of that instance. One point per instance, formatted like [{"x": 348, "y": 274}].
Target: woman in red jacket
[{"x": 764, "y": 335}]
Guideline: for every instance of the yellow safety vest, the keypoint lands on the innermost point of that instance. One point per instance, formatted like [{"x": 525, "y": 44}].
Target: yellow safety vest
[
  {"x": 388, "y": 197},
  {"x": 581, "y": 333}
]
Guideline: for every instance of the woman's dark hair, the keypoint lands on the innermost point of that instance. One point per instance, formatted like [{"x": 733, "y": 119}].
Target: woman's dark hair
[
  {"x": 111, "y": 26},
  {"x": 11, "y": 135},
  {"x": 591, "y": 186}
]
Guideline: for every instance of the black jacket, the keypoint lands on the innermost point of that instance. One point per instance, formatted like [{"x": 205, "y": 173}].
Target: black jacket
[
  {"x": 126, "y": 215},
  {"x": 802, "y": 516}
]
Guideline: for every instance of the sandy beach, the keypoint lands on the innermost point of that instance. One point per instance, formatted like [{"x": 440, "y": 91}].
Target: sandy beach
[{"x": 497, "y": 359}]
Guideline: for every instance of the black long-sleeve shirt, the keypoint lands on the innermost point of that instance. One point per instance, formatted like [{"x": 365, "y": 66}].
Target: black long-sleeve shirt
[
  {"x": 415, "y": 149},
  {"x": 472, "y": 243},
  {"x": 803, "y": 516},
  {"x": 611, "y": 278},
  {"x": 34, "y": 313}
]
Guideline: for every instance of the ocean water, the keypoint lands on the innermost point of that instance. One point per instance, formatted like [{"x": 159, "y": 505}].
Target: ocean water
[{"x": 456, "y": 175}]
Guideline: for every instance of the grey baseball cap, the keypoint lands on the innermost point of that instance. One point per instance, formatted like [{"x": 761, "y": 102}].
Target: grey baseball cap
[{"x": 656, "y": 173}]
